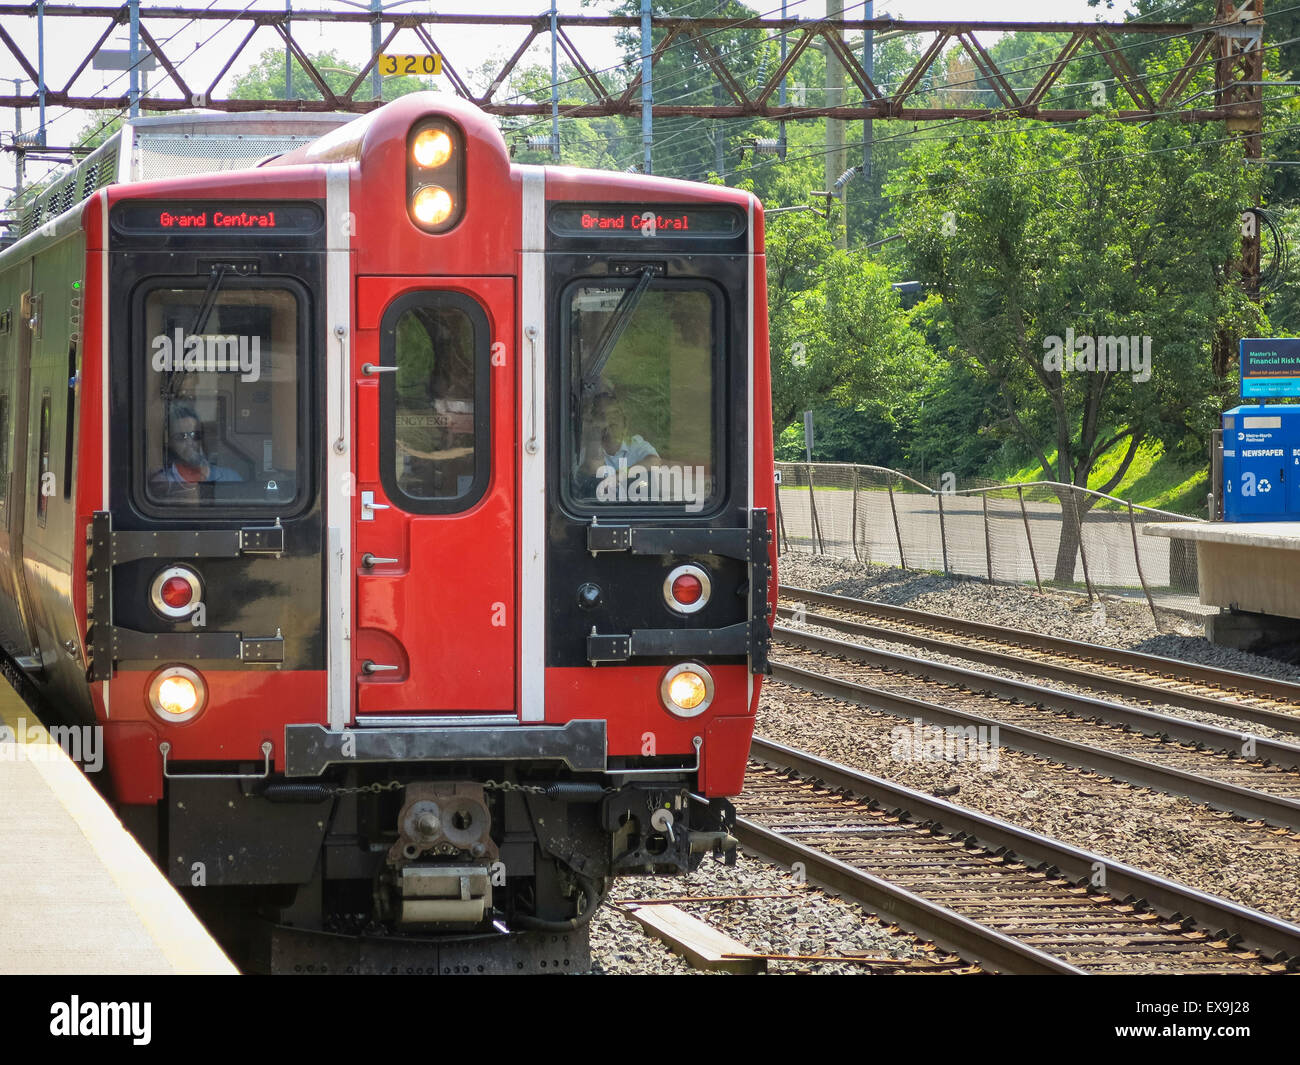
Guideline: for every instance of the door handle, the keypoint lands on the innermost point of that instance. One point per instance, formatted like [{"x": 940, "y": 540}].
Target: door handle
[
  {"x": 369, "y": 506},
  {"x": 377, "y": 667},
  {"x": 370, "y": 369},
  {"x": 530, "y": 445},
  {"x": 369, "y": 560}
]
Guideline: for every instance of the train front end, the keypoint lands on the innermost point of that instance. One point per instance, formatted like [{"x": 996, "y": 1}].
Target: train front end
[{"x": 432, "y": 579}]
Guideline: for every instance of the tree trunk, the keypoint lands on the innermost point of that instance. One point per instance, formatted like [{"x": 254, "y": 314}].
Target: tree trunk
[
  {"x": 1067, "y": 550},
  {"x": 1075, "y": 504}
]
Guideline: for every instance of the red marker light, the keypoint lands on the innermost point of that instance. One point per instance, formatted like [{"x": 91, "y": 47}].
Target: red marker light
[
  {"x": 176, "y": 592},
  {"x": 687, "y": 589}
]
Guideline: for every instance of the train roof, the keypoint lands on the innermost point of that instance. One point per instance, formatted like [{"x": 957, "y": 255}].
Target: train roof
[{"x": 168, "y": 146}]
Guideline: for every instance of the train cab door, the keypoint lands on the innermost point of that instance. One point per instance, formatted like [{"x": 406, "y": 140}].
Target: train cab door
[
  {"x": 15, "y": 386},
  {"x": 434, "y": 505}
]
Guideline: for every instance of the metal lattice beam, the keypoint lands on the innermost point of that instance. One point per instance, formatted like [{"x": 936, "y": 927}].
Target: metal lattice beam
[{"x": 1231, "y": 45}]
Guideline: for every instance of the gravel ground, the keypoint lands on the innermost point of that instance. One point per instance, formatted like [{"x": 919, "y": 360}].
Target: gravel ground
[
  {"x": 1109, "y": 621},
  {"x": 801, "y": 920},
  {"x": 1255, "y": 773},
  {"x": 1226, "y": 721},
  {"x": 1250, "y": 863}
]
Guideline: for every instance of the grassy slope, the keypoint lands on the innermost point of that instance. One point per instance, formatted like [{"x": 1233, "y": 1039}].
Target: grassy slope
[{"x": 1152, "y": 480}]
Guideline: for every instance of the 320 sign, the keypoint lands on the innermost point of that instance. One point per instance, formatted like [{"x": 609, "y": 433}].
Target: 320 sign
[{"x": 393, "y": 65}]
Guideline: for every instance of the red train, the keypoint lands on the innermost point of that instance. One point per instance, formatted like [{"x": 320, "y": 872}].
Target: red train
[{"x": 400, "y": 513}]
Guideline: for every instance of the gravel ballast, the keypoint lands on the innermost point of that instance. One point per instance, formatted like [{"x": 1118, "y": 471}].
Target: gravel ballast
[
  {"x": 1108, "y": 621},
  {"x": 799, "y": 920},
  {"x": 1250, "y": 863}
]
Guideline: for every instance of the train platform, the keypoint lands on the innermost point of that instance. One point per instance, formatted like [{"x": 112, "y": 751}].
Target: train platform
[
  {"x": 1251, "y": 570},
  {"x": 77, "y": 894}
]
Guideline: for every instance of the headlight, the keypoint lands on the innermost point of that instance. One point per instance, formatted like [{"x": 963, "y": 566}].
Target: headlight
[
  {"x": 686, "y": 690},
  {"x": 177, "y": 694},
  {"x": 435, "y": 174},
  {"x": 431, "y": 148},
  {"x": 431, "y": 205}
]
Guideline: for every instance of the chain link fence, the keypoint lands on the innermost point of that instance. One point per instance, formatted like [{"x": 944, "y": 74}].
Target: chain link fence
[{"x": 1042, "y": 533}]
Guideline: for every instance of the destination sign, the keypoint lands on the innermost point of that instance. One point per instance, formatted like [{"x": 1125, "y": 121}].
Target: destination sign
[
  {"x": 216, "y": 217},
  {"x": 646, "y": 220},
  {"x": 1270, "y": 366}
]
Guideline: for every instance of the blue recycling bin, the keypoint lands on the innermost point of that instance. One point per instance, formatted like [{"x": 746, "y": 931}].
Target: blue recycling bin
[{"x": 1261, "y": 463}]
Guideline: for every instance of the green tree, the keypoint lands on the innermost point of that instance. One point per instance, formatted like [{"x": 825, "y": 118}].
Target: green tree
[
  {"x": 837, "y": 331},
  {"x": 264, "y": 80},
  {"x": 1077, "y": 234}
]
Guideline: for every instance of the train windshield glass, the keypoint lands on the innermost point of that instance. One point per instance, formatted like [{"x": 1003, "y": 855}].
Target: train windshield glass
[
  {"x": 641, "y": 369},
  {"x": 221, "y": 401}
]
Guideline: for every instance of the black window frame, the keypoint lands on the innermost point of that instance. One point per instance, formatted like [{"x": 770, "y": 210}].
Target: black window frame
[
  {"x": 44, "y": 434},
  {"x": 6, "y": 456},
  {"x": 307, "y": 454},
  {"x": 436, "y": 299},
  {"x": 720, "y": 384}
]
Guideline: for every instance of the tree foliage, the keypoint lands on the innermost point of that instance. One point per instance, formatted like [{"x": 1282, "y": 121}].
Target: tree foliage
[
  {"x": 264, "y": 80},
  {"x": 1043, "y": 233}
]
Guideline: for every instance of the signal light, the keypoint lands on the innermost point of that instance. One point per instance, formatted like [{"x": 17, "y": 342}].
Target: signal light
[
  {"x": 176, "y": 592},
  {"x": 431, "y": 148},
  {"x": 431, "y": 205},
  {"x": 686, "y": 690},
  {"x": 177, "y": 694},
  {"x": 686, "y": 589},
  {"x": 435, "y": 174}
]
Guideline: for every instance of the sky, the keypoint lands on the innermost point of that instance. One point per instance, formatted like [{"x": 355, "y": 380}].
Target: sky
[{"x": 200, "y": 48}]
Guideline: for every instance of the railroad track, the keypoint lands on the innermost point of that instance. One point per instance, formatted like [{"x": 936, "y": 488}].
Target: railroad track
[
  {"x": 1172, "y": 755},
  {"x": 1130, "y": 674},
  {"x": 1003, "y": 896}
]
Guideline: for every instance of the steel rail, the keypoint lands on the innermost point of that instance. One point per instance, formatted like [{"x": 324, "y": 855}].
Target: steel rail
[
  {"x": 1245, "y": 802},
  {"x": 949, "y": 929},
  {"x": 1271, "y": 936},
  {"x": 1148, "y": 722},
  {"x": 1249, "y": 684}
]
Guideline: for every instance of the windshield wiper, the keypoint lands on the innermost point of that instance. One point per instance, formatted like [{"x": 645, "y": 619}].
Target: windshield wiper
[
  {"x": 215, "y": 278},
  {"x": 618, "y": 323}
]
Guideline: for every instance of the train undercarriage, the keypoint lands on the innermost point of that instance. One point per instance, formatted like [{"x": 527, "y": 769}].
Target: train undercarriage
[{"x": 408, "y": 865}]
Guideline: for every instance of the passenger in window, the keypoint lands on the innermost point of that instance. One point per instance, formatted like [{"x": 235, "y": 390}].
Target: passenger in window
[
  {"x": 610, "y": 457},
  {"x": 187, "y": 462}
]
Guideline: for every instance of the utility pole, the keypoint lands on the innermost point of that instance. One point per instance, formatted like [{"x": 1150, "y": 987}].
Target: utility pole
[
  {"x": 1238, "y": 83},
  {"x": 288, "y": 53},
  {"x": 134, "y": 92},
  {"x": 555, "y": 83},
  {"x": 835, "y": 155},
  {"x": 19, "y": 157},
  {"x": 785, "y": 45},
  {"x": 376, "y": 79},
  {"x": 869, "y": 65},
  {"x": 647, "y": 94},
  {"x": 40, "y": 70}
]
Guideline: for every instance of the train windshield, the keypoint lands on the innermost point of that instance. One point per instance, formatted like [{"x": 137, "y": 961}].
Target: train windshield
[
  {"x": 642, "y": 364},
  {"x": 221, "y": 400}
]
